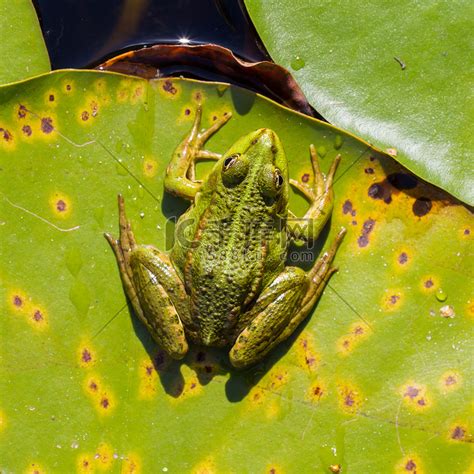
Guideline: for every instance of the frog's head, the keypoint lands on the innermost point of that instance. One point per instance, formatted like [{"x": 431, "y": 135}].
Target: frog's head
[{"x": 257, "y": 160}]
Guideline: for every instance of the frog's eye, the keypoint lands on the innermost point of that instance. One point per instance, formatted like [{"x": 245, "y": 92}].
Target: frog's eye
[
  {"x": 278, "y": 178},
  {"x": 230, "y": 160},
  {"x": 234, "y": 169}
]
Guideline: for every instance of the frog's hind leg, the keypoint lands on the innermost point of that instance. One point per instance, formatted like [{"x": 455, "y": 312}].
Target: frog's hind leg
[
  {"x": 180, "y": 178},
  {"x": 281, "y": 307},
  {"x": 153, "y": 288}
]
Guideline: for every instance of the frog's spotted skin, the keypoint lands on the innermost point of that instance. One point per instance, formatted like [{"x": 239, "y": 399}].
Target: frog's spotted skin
[{"x": 225, "y": 282}]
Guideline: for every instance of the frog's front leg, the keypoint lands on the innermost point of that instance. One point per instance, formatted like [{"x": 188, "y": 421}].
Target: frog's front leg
[
  {"x": 153, "y": 287},
  {"x": 180, "y": 174},
  {"x": 281, "y": 307},
  {"x": 320, "y": 196}
]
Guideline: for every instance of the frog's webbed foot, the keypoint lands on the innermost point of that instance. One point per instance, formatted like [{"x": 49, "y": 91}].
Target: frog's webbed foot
[
  {"x": 280, "y": 308},
  {"x": 320, "y": 196},
  {"x": 153, "y": 288},
  {"x": 180, "y": 178}
]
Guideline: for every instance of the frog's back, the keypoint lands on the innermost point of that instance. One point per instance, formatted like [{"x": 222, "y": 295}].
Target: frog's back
[{"x": 238, "y": 245}]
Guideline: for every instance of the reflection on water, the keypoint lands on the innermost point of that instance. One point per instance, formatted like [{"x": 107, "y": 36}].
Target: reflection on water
[{"x": 82, "y": 33}]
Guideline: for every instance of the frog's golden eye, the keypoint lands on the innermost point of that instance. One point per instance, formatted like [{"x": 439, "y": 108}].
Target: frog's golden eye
[
  {"x": 278, "y": 178},
  {"x": 230, "y": 160}
]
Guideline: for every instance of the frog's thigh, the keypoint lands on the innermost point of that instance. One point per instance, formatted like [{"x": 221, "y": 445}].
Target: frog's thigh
[
  {"x": 162, "y": 298},
  {"x": 268, "y": 318}
]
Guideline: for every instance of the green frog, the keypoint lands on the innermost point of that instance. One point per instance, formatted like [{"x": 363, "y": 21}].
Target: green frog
[{"x": 225, "y": 282}]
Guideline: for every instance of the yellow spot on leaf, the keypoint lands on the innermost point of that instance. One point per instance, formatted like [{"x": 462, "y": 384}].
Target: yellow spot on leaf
[
  {"x": 358, "y": 332},
  {"x": 137, "y": 94},
  {"x": 7, "y": 138},
  {"x": 148, "y": 383},
  {"x": 35, "y": 468},
  {"x": 169, "y": 89},
  {"x": 101, "y": 396},
  {"x": 316, "y": 391},
  {"x": 459, "y": 432},
  {"x": 273, "y": 469},
  {"x": 429, "y": 284},
  {"x": 51, "y": 98},
  {"x": 403, "y": 258},
  {"x": 189, "y": 386},
  {"x": 38, "y": 318},
  {"x": 415, "y": 396},
  {"x": 206, "y": 466},
  {"x": 349, "y": 397},
  {"x": 272, "y": 409},
  {"x": 199, "y": 96},
  {"x": 306, "y": 354},
  {"x": 86, "y": 355},
  {"x": 150, "y": 167},
  {"x": 60, "y": 204},
  {"x": 18, "y": 301},
  {"x": 131, "y": 465},
  {"x": 67, "y": 87},
  {"x": 270, "y": 384},
  {"x": 410, "y": 463},
  {"x": 104, "y": 457},
  {"x": 85, "y": 464},
  {"x": 450, "y": 381},
  {"x": 88, "y": 111},
  {"x": 392, "y": 300}
]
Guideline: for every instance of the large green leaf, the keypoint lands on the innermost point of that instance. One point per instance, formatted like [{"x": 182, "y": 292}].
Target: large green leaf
[
  {"x": 395, "y": 73},
  {"x": 377, "y": 380},
  {"x": 22, "y": 49}
]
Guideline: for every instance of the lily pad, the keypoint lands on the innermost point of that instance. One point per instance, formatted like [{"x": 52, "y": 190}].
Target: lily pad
[
  {"x": 392, "y": 73},
  {"x": 22, "y": 47},
  {"x": 376, "y": 380}
]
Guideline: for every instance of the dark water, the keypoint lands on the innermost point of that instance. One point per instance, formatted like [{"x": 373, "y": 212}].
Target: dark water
[{"x": 81, "y": 33}]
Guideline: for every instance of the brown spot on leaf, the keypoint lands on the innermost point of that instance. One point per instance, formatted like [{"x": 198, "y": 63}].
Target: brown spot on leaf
[
  {"x": 37, "y": 315},
  {"x": 349, "y": 399},
  {"x": 422, "y": 206},
  {"x": 47, "y": 125},
  {"x": 421, "y": 402},
  {"x": 22, "y": 111},
  {"x": 26, "y": 129},
  {"x": 61, "y": 206},
  {"x": 86, "y": 356},
  {"x": 411, "y": 392},
  {"x": 358, "y": 330},
  {"x": 410, "y": 465},
  {"x": 305, "y": 178},
  {"x": 458, "y": 433},
  {"x": 17, "y": 301},
  {"x": 7, "y": 136},
  {"x": 187, "y": 112},
  {"x": 394, "y": 299},
  {"x": 369, "y": 170},
  {"x": 347, "y": 208},
  {"x": 51, "y": 97},
  {"x": 381, "y": 191},
  {"x": 467, "y": 231},
  {"x": 450, "y": 380},
  {"x": 68, "y": 87},
  {"x": 169, "y": 87},
  {"x": 104, "y": 402},
  {"x": 367, "y": 228},
  {"x": 402, "y": 258},
  {"x": 428, "y": 283},
  {"x": 85, "y": 115},
  {"x": 93, "y": 386}
]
